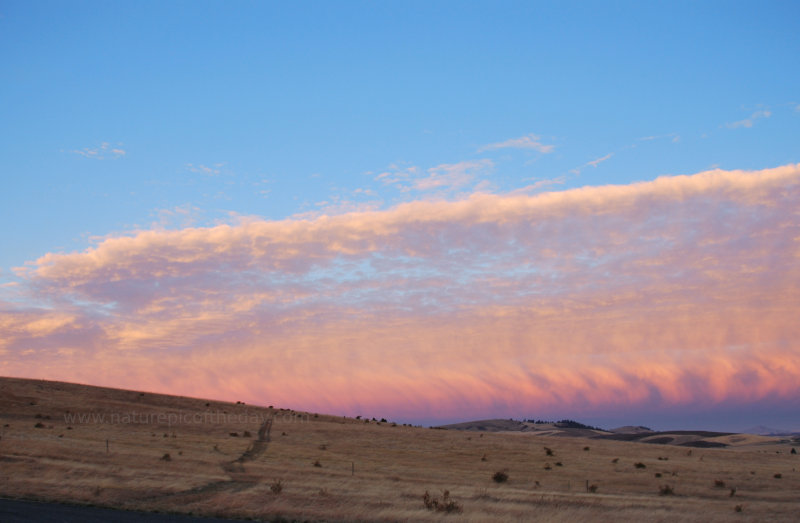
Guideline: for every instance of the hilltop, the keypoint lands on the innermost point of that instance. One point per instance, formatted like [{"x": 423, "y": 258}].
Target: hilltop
[
  {"x": 640, "y": 434},
  {"x": 136, "y": 450}
]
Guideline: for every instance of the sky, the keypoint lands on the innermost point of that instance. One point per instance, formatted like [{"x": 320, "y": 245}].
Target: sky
[{"x": 425, "y": 211}]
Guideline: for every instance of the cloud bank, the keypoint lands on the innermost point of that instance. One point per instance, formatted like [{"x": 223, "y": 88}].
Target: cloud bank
[{"x": 681, "y": 291}]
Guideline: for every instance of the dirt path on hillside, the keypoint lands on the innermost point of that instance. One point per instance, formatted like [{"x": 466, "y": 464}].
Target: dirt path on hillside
[{"x": 239, "y": 479}]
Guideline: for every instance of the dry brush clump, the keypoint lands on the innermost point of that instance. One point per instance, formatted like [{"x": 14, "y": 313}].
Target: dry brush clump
[
  {"x": 500, "y": 476},
  {"x": 445, "y": 504}
]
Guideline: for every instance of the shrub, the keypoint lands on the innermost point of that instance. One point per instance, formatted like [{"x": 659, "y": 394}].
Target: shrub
[
  {"x": 614, "y": 460},
  {"x": 166, "y": 457},
  {"x": 548, "y": 451},
  {"x": 733, "y": 492},
  {"x": 500, "y": 476},
  {"x": 666, "y": 490},
  {"x": 640, "y": 465},
  {"x": 317, "y": 464},
  {"x": 719, "y": 483},
  {"x": 738, "y": 508},
  {"x": 657, "y": 474},
  {"x": 484, "y": 458},
  {"x": 247, "y": 434},
  {"x": 592, "y": 488},
  {"x": 777, "y": 476},
  {"x": 586, "y": 448},
  {"x": 440, "y": 505},
  {"x": 276, "y": 487}
]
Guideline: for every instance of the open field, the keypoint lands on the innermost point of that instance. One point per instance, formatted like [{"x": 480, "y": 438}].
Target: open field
[{"x": 146, "y": 451}]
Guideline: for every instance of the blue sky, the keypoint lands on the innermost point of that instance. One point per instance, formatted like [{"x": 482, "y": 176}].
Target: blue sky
[
  {"x": 243, "y": 184},
  {"x": 270, "y": 108}
]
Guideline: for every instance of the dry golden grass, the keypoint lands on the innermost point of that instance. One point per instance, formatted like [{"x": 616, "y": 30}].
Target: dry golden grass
[{"x": 367, "y": 471}]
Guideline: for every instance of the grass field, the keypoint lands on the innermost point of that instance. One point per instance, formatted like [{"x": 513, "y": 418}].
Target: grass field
[{"x": 144, "y": 451}]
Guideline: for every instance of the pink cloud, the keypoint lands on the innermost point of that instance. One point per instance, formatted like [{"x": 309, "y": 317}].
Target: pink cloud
[{"x": 677, "y": 291}]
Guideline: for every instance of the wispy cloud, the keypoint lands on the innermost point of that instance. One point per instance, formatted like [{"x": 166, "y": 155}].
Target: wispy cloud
[
  {"x": 451, "y": 175},
  {"x": 102, "y": 152},
  {"x": 673, "y": 137},
  {"x": 205, "y": 169},
  {"x": 680, "y": 291},
  {"x": 748, "y": 122},
  {"x": 530, "y": 141},
  {"x": 592, "y": 163},
  {"x": 444, "y": 177},
  {"x": 598, "y": 161}
]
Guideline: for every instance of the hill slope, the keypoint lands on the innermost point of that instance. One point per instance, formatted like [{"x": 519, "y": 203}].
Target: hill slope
[{"x": 133, "y": 450}]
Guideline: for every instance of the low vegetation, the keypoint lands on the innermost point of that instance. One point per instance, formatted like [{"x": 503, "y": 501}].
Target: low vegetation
[
  {"x": 500, "y": 476},
  {"x": 443, "y": 504}
]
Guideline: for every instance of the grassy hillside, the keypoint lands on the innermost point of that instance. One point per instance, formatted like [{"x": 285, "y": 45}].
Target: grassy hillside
[{"x": 145, "y": 451}]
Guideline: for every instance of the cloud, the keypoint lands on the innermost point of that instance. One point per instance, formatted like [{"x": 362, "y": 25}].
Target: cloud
[
  {"x": 673, "y": 137},
  {"x": 597, "y": 161},
  {"x": 441, "y": 178},
  {"x": 204, "y": 169},
  {"x": 748, "y": 122},
  {"x": 451, "y": 175},
  {"x": 102, "y": 152},
  {"x": 677, "y": 292},
  {"x": 530, "y": 141},
  {"x": 592, "y": 163}
]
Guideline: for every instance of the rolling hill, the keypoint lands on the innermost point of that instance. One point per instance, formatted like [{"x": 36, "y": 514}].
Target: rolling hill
[{"x": 135, "y": 450}]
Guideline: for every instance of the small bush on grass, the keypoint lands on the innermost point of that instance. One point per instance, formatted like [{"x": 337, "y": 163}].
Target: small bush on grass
[
  {"x": 640, "y": 465},
  {"x": 441, "y": 505},
  {"x": 666, "y": 490},
  {"x": 276, "y": 487},
  {"x": 500, "y": 476}
]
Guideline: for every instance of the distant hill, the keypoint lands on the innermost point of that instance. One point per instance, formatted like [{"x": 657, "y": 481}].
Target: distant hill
[
  {"x": 630, "y": 429},
  {"x": 761, "y": 430},
  {"x": 633, "y": 433}
]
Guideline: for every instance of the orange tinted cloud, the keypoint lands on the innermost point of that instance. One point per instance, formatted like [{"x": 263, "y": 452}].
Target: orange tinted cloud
[{"x": 677, "y": 291}]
